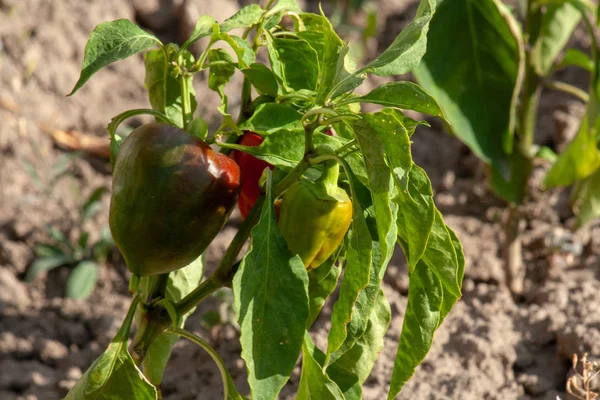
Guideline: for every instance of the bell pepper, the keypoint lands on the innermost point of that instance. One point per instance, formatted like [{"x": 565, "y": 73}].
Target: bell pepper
[
  {"x": 251, "y": 169},
  {"x": 171, "y": 195},
  {"x": 315, "y": 216}
]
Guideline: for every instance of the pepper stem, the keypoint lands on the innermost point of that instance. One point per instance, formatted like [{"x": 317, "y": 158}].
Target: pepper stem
[
  {"x": 152, "y": 323},
  {"x": 331, "y": 171}
]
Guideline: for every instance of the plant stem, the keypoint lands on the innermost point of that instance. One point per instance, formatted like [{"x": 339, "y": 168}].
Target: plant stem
[
  {"x": 199, "y": 65},
  {"x": 123, "y": 333},
  {"x": 569, "y": 89},
  {"x": 530, "y": 98},
  {"x": 155, "y": 320},
  {"x": 205, "y": 289},
  {"x": 291, "y": 96},
  {"x": 512, "y": 252},
  {"x": 514, "y": 273},
  {"x": 158, "y": 287},
  {"x": 186, "y": 105},
  {"x": 309, "y": 146},
  {"x": 246, "y": 101},
  {"x": 211, "y": 352},
  {"x": 134, "y": 283},
  {"x": 347, "y": 146}
]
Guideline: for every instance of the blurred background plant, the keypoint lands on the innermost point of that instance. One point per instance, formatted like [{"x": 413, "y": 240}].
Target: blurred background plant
[
  {"x": 80, "y": 255},
  {"x": 356, "y": 21}
]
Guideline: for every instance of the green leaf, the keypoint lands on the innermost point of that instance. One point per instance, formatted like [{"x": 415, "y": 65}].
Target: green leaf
[
  {"x": 314, "y": 382},
  {"x": 404, "y": 95},
  {"x": 434, "y": 288},
  {"x": 407, "y": 49},
  {"x": 385, "y": 142},
  {"x": 422, "y": 317},
  {"x": 157, "y": 78},
  {"x": 364, "y": 306},
  {"x": 283, "y": 148},
  {"x": 276, "y": 64},
  {"x": 244, "y": 52},
  {"x": 322, "y": 37},
  {"x": 164, "y": 91},
  {"x": 271, "y": 304},
  {"x": 285, "y": 5},
  {"x": 272, "y": 117},
  {"x": 114, "y": 374},
  {"x": 352, "y": 369},
  {"x": 578, "y": 161},
  {"x": 356, "y": 275},
  {"x": 576, "y": 58},
  {"x": 262, "y": 78},
  {"x": 110, "y": 42},
  {"x": 115, "y": 145},
  {"x": 557, "y": 23},
  {"x": 241, "y": 48},
  {"x": 203, "y": 28},
  {"x": 417, "y": 214},
  {"x": 82, "y": 280},
  {"x": 345, "y": 80},
  {"x": 391, "y": 143},
  {"x": 479, "y": 39},
  {"x": 245, "y": 18},
  {"x": 402, "y": 56},
  {"x": 45, "y": 264},
  {"x": 198, "y": 127},
  {"x": 82, "y": 242},
  {"x": 295, "y": 62},
  {"x": 381, "y": 219},
  {"x": 181, "y": 282},
  {"x": 442, "y": 258},
  {"x": 586, "y": 199},
  {"x": 221, "y": 71},
  {"x": 43, "y": 250},
  {"x": 60, "y": 238},
  {"x": 321, "y": 283},
  {"x": 460, "y": 256}
]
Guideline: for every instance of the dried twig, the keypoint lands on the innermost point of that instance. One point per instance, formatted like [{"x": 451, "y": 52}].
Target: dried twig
[
  {"x": 74, "y": 140},
  {"x": 580, "y": 384}
]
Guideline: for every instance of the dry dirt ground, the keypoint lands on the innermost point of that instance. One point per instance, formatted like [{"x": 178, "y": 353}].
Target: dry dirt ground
[{"x": 490, "y": 346}]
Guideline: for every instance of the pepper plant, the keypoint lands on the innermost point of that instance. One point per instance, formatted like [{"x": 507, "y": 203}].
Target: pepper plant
[
  {"x": 501, "y": 59},
  {"x": 344, "y": 181}
]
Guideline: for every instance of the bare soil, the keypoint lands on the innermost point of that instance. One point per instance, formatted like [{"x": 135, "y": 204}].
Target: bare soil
[{"x": 491, "y": 346}]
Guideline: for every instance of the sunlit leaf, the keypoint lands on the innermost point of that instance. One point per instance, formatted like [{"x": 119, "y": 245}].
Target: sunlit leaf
[
  {"x": 271, "y": 304},
  {"x": 110, "y": 42}
]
